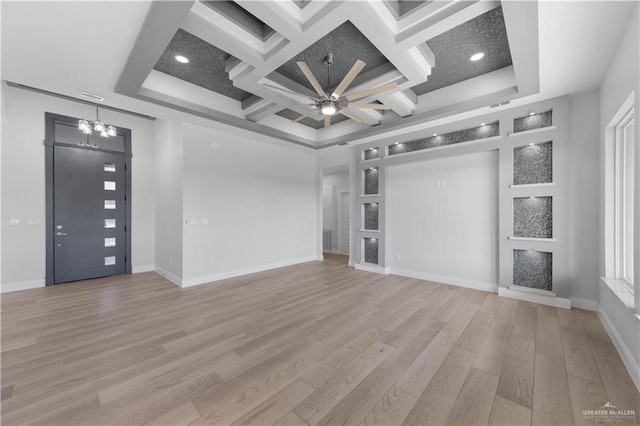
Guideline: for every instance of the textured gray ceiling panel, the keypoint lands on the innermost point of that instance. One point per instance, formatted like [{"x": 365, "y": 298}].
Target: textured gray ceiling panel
[
  {"x": 205, "y": 68},
  {"x": 452, "y": 49},
  {"x": 310, "y": 122},
  {"x": 347, "y": 45}
]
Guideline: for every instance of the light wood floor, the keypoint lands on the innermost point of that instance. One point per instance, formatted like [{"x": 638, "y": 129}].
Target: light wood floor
[{"x": 316, "y": 343}]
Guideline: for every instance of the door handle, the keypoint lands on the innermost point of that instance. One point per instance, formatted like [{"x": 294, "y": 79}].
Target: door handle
[{"x": 61, "y": 233}]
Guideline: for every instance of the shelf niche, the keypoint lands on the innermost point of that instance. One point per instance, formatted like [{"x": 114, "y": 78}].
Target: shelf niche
[
  {"x": 371, "y": 154},
  {"x": 533, "y": 269},
  {"x": 533, "y": 217},
  {"x": 371, "y": 181},
  {"x": 533, "y": 121},
  {"x": 371, "y": 250},
  {"x": 371, "y": 216},
  {"x": 466, "y": 135},
  {"x": 533, "y": 164}
]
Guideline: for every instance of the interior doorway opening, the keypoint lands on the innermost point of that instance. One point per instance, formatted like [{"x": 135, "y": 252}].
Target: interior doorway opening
[{"x": 336, "y": 213}]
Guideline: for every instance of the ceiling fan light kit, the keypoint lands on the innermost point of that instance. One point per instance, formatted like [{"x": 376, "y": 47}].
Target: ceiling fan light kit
[{"x": 337, "y": 103}]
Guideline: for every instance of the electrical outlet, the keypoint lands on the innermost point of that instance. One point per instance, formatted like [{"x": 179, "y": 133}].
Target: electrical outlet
[
  {"x": 33, "y": 221},
  {"x": 194, "y": 221},
  {"x": 14, "y": 222}
]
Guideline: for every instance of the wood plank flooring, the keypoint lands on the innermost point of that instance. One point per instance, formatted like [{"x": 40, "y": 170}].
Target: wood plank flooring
[{"x": 317, "y": 343}]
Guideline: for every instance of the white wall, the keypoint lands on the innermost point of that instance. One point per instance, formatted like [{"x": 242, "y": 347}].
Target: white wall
[
  {"x": 260, "y": 201},
  {"x": 449, "y": 232},
  {"x": 168, "y": 199},
  {"x": 622, "y": 79},
  {"x": 23, "y": 183},
  {"x": 583, "y": 199}
]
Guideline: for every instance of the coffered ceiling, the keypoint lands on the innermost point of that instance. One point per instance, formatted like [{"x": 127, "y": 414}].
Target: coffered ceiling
[{"x": 243, "y": 57}]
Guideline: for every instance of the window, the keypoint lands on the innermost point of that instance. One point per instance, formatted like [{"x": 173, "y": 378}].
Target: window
[
  {"x": 620, "y": 187},
  {"x": 623, "y": 200}
]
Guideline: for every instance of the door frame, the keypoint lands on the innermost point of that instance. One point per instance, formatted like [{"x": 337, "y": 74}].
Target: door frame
[
  {"x": 341, "y": 221},
  {"x": 49, "y": 142}
]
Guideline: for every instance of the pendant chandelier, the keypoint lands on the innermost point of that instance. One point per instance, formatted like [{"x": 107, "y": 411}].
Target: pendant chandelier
[{"x": 87, "y": 127}]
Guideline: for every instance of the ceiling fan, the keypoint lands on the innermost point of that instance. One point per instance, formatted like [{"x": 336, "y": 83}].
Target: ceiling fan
[{"x": 336, "y": 102}]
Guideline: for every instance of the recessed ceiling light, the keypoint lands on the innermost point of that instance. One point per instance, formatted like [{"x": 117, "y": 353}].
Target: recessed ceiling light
[
  {"x": 477, "y": 56},
  {"x": 532, "y": 113},
  {"x": 531, "y": 144},
  {"x": 435, "y": 134},
  {"x": 396, "y": 143},
  {"x": 483, "y": 124},
  {"x": 182, "y": 59}
]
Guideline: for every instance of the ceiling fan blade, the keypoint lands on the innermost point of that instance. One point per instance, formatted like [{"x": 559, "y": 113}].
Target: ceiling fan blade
[
  {"x": 351, "y": 116},
  {"x": 327, "y": 120},
  {"x": 305, "y": 115},
  {"x": 348, "y": 79},
  {"x": 370, "y": 106},
  {"x": 369, "y": 92},
  {"x": 312, "y": 79}
]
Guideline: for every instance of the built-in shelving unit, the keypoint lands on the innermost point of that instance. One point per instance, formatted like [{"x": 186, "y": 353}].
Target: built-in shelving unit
[{"x": 533, "y": 194}]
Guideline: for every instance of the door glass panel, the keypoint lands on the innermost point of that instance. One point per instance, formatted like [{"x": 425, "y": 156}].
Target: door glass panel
[
  {"x": 109, "y": 223},
  {"x": 68, "y": 133},
  {"x": 109, "y": 185},
  {"x": 110, "y": 242},
  {"x": 109, "y": 260},
  {"x": 109, "y": 167},
  {"x": 110, "y": 204}
]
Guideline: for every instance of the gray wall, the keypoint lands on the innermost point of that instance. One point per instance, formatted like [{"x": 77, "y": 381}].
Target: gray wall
[
  {"x": 259, "y": 200},
  {"x": 168, "y": 171},
  {"x": 583, "y": 197},
  {"x": 621, "y": 80}
]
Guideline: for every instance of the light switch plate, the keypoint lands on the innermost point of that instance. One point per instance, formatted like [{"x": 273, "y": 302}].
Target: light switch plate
[
  {"x": 33, "y": 221},
  {"x": 14, "y": 222}
]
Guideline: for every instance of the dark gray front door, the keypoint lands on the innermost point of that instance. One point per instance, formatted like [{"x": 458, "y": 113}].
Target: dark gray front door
[{"x": 89, "y": 213}]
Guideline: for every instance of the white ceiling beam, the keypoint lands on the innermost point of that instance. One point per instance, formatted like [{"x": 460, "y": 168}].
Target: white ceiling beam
[
  {"x": 217, "y": 30},
  {"x": 482, "y": 85},
  {"x": 521, "y": 21},
  {"x": 399, "y": 102},
  {"x": 281, "y": 16}
]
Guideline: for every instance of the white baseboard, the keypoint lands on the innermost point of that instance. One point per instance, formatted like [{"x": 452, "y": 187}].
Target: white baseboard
[
  {"x": 372, "y": 268},
  {"x": 168, "y": 275},
  {"x": 623, "y": 350},
  {"x": 144, "y": 268},
  {"x": 245, "y": 271},
  {"x": 351, "y": 263},
  {"x": 22, "y": 285},
  {"x": 459, "y": 282},
  {"x": 586, "y": 304},
  {"x": 557, "y": 302},
  {"x": 320, "y": 257}
]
